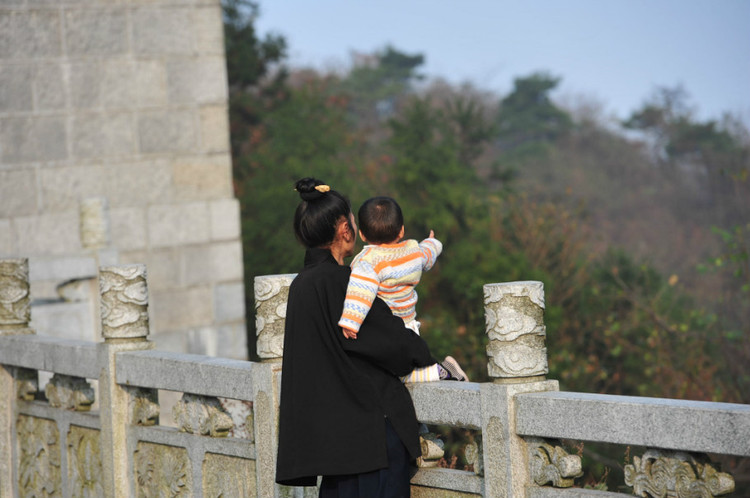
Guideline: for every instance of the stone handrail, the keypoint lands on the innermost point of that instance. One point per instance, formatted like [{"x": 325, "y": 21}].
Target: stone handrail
[{"x": 50, "y": 443}]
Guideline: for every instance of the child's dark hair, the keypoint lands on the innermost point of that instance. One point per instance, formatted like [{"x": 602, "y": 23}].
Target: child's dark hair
[
  {"x": 318, "y": 214},
  {"x": 380, "y": 220}
]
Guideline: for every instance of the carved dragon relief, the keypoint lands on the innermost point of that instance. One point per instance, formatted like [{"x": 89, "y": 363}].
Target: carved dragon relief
[
  {"x": 84, "y": 462},
  {"x": 551, "y": 464},
  {"x": 662, "y": 474},
  {"x": 202, "y": 415},
  {"x": 162, "y": 471},
  {"x": 39, "y": 472},
  {"x": 71, "y": 393}
]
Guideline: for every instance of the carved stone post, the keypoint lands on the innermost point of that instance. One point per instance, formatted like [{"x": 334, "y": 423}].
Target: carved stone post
[
  {"x": 124, "y": 316},
  {"x": 15, "y": 314},
  {"x": 514, "y": 315},
  {"x": 271, "y": 293}
]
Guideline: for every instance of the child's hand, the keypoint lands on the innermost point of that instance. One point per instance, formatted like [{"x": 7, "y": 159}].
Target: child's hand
[
  {"x": 349, "y": 334},
  {"x": 432, "y": 235}
]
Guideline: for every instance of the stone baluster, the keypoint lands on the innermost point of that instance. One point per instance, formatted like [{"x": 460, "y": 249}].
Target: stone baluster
[
  {"x": 271, "y": 293},
  {"x": 514, "y": 313},
  {"x": 124, "y": 321},
  {"x": 15, "y": 315}
]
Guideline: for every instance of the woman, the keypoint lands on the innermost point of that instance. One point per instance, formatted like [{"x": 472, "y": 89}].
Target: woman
[{"x": 344, "y": 414}]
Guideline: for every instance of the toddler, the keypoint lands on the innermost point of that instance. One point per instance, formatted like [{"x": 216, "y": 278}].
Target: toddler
[{"x": 390, "y": 268}]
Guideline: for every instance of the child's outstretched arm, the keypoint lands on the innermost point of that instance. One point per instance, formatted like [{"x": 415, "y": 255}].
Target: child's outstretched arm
[
  {"x": 360, "y": 293},
  {"x": 431, "y": 249}
]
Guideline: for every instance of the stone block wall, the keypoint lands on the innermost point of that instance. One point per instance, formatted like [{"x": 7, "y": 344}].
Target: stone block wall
[{"x": 125, "y": 101}]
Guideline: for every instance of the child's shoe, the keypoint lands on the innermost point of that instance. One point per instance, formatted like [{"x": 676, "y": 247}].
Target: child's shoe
[{"x": 453, "y": 369}]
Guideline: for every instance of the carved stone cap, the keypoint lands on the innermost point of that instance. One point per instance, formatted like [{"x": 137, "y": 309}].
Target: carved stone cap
[
  {"x": 532, "y": 289},
  {"x": 124, "y": 301},
  {"x": 15, "y": 307}
]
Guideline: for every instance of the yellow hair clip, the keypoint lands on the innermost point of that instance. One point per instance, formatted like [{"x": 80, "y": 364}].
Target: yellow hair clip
[{"x": 322, "y": 188}]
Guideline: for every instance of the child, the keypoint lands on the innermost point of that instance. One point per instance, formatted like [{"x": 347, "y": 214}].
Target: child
[{"x": 390, "y": 269}]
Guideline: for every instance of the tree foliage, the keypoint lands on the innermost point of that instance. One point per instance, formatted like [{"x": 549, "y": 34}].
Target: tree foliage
[{"x": 517, "y": 188}]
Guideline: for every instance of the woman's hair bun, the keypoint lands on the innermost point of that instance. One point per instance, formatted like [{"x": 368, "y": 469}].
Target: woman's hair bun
[{"x": 308, "y": 191}]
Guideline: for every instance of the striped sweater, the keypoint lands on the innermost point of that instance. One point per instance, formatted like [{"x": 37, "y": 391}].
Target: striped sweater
[{"x": 388, "y": 271}]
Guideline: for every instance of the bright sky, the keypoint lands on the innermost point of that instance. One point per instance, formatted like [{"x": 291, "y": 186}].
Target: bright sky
[{"x": 614, "y": 51}]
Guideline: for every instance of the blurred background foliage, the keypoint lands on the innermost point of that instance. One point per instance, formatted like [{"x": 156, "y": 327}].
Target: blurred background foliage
[{"x": 639, "y": 229}]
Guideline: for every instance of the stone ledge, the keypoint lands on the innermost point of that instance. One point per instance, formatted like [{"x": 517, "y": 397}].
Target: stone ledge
[
  {"x": 195, "y": 374},
  {"x": 170, "y": 436},
  {"x": 536, "y": 492},
  {"x": 696, "y": 426},
  {"x": 447, "y": 402},
  {"x": 68, "y": 357},
  {"x": 449, "y": 479}
]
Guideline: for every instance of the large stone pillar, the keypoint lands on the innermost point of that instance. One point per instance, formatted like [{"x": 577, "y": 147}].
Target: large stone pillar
[
  {"x": 124, "y": 316},
  {"x": 514, "y": 313}
]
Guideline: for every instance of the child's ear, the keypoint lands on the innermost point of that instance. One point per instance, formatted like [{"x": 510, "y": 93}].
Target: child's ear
[
  {"x": 362, "y": 236},
  {"x": 401, "y": 233}
]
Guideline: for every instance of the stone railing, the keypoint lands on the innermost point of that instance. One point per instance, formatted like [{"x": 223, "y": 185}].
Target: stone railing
[{"x": 65, "y": 442}]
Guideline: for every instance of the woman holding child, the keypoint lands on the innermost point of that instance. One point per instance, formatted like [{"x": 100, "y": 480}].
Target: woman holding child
[{"x": 345, "y": 414}]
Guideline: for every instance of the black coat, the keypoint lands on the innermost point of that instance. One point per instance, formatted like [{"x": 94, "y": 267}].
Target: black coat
[{"x": 335, "y": 392}]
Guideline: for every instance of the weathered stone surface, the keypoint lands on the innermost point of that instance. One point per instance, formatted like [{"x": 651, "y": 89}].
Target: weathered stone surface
[
  {"x": 138, "y": 183},
  {"x": 7, "y": 240},
  {"x": 551, "y": 464},
  {"x": 103, "y": 135},
  {"x": 29, "y": 34},
  {"x": 143, "y": 406},
  {"x": 65, "y": 320},
  {"x": 214, "y": 129},
  {"x": 162, "y": 31},
  {"x": 271, "y": 293},
  {"x": 202, "y": 375},
  {"x": 697, "y": 426},
  {"x": 162, "y": 471},
  {"x": 202, "y": 415},
  {"x": 675, "y": 474},
  {"x": 48, "y": 80},
  {"x": 33, "y": 234},
  {"x": 217, "y": 262},
  {"x": 208, "y": 33},
  {"x": 94, "y": 223},
  {"x": 128, "y": 232},
  {"x": 182, "y": 309},
  {"x": 13, "y": 183},
  {"x": 63, "y": 188},
  {"x": 39, "y": 472},
  {"x": 15, "y": 91},
  {"x": 206, "y": 177},
  {"x": 201, "y": 80},
  {"x": 178, "y": 224},
  {"x": 96, "y": 31},
  {"x": 225, "y": 219},
  {"x": 151, "y": 83},
  {"x": 27, "y": 139},
  {"x": 447, "y": 403},
  {"x": 228, "y": 476},
  {"x": 62, "y": 268},
  {"x": 69, "y": 393},
  {"x": 514, "y": 313},
  {"x": 229, "y": 302},
  {"x": 124, "y": 301},
  {"x": 167, "y": 131},
  {"x": 15, "y": 299},
  {"x": 84, "y": 463}
]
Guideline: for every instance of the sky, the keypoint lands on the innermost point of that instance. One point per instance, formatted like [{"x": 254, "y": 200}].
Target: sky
[{"x": 614, "y": 52}]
